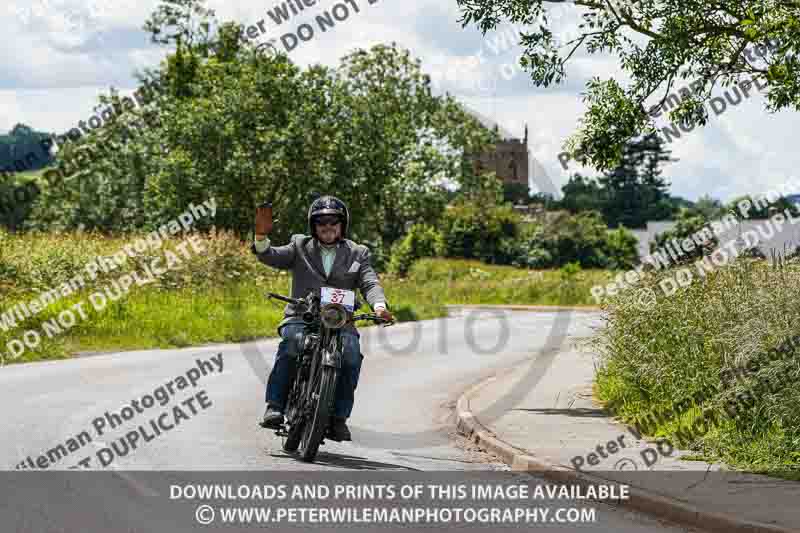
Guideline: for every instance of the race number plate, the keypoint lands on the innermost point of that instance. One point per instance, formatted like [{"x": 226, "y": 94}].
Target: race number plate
[{"x": 339, "y": 296}]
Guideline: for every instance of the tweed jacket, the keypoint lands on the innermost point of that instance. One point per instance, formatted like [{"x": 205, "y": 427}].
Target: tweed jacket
[{"x": 302, "y": 256}]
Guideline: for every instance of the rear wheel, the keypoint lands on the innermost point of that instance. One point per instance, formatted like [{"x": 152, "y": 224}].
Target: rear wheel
[{"x": 315, "y": 428}]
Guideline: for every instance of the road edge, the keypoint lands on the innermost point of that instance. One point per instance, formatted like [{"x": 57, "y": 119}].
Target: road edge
[
  {"x": 641, "y": 500},
  {"x": 521, "y": 307}
]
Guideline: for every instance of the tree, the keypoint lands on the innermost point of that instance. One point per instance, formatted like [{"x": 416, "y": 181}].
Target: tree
[
  {"x": 634, "y": 191},
  {"x": 244, "y": 127},
  {"x": 707, "y": 207},
  {"x": 582, "y": 194},
  {"x": 678, "y": 203},
  {"x": 482, "y": 231},
  {"x": 516, "y": 193},
  {"x": 559, "y": 238},
  {"x": 545, "y": 200},
  {"x": 630, "y": 194},
  {"x": 657, "y": 43},
  {"x": 21, "y": 150},
  {"x": 399, "y": 145},
  {"x": 761, "y": 209}
]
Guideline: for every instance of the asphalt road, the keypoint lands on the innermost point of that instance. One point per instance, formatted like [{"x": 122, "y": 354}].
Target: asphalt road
[{"x": 402, "y": 421}]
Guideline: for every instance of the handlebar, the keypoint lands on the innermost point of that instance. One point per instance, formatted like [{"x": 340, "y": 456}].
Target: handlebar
[
  {"x": 285, "y": 299},
  {"x": 373, "y": 318}
]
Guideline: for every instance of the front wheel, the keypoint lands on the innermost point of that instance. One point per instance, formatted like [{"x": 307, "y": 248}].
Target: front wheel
[
  {"x": 315, "y": 427},
  {"x": 297, "y": 422},
  {"x": 293, "y": 438}
]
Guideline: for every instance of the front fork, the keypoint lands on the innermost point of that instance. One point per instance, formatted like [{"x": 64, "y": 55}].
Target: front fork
[{"x": 331, "y": 355}]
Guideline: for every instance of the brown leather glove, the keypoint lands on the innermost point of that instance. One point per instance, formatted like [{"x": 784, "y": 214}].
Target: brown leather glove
[
  {"x": 385, "y": 314},
  {"x": 263, "y": 220}
]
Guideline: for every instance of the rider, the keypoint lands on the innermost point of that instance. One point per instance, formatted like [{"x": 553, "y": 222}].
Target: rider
[{"x": 323, "y": 258}]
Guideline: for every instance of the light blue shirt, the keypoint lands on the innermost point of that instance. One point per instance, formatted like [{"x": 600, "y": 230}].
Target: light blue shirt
[{"x": 328, "y": 256}]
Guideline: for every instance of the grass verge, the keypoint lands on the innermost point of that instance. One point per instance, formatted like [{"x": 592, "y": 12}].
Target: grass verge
[
  {"x": 218, "y": 295},
  {"x": 713, "y": 367}
]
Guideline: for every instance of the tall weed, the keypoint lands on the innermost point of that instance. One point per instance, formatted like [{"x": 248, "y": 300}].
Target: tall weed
[{"x": 692, "y": 344}]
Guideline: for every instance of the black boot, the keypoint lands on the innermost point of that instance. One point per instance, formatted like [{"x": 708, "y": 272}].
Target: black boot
[
  {"x": 339, "y": 430},
  {"x": 272, "y": 419}
]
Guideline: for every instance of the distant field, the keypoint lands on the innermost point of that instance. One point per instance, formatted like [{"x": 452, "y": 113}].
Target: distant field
[{"x": 218, "y": 296}]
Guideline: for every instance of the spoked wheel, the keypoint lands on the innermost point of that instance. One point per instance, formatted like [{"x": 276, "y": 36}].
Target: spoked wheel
[
  {"x": 315, "y": 428},
  {"x": 296, "y": 419},
  {"x": 293, "y": 438}
]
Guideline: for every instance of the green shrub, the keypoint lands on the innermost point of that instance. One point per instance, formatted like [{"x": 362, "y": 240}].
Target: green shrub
[
  {"x": 536, "y": 257},
  {"x": 473, "y": 231},
  {"x": 560, "y": 238},
  {"x": 379, "y": 258},
  {"x": 621, "y": 249},
  {"x": 17, "y": 197},
  {"x": 420, "y": 241},
  {"x": 579, "y": 238},
  {"x": 686, "y": 225}
]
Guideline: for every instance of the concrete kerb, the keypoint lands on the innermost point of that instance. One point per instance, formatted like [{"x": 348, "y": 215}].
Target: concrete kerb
[{"x": 641, "y": 500}]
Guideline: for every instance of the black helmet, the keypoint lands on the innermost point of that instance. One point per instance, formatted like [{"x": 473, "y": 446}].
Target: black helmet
[{"x": 328, "y": 205}]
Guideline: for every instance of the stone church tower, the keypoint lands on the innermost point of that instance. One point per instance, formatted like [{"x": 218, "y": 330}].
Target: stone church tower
[{"x": 509, "y": 160}]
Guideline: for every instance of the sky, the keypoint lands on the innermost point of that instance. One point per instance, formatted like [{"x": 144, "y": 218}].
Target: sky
[{"x": 60, "y": 54}]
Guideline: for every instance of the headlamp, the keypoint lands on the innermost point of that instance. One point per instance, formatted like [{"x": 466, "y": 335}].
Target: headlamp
[{"x": 333, "y": 316}]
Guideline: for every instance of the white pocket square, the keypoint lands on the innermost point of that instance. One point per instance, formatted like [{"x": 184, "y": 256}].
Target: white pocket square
[{"x": 354, "y": 267}]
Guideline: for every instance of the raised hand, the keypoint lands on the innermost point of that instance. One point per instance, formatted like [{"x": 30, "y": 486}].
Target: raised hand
[{"x": 263, "y": 220}]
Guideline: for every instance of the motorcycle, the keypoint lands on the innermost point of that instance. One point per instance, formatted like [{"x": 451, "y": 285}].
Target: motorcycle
[{"x": 325, "y": 312}]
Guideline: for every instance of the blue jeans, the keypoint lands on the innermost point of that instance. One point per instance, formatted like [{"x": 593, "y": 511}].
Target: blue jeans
[{"x": 282, "y": 372}]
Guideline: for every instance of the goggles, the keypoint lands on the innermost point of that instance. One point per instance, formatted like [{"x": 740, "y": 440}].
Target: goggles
[{"x": 327, "y": 221}]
